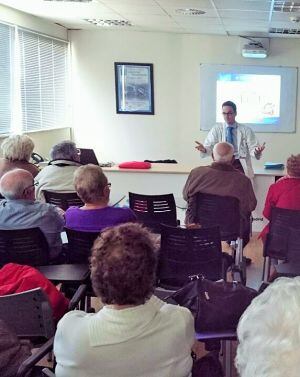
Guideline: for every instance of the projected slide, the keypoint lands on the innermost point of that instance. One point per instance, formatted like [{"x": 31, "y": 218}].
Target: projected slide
[{"x": 257, "y": 97}]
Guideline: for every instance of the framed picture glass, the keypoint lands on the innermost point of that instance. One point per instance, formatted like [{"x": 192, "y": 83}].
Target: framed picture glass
[{"x": 134, "y": 88}]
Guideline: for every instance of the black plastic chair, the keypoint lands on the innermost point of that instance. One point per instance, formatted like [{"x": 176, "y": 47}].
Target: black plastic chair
[
  {"x": 186, "y": 252},
  {"x": 64, "y": 200},
  {"x": 283, "y": 240},
  {"x": 153, "y": 210},
  {"x": 29, "y": 314},
  {"x": 224, "y": 212},
  {"x": 79, "y": 245},
  {"x": 24, "y": 246}
]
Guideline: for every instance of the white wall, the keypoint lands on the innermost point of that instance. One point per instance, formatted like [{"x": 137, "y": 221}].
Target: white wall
[{"x": 171, "y": 132}]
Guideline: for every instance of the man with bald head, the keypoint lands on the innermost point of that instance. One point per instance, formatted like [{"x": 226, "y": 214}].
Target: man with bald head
[
  {"x": 20, "y": 210},
  {"x": 220, "y": 178}
]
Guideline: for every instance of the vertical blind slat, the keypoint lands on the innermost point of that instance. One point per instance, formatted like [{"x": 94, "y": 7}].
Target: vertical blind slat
[{"x": 43, "y": 80}]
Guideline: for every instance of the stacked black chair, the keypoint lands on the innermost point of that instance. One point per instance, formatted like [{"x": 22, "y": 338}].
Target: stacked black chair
[
  {"x": 24, "y": 246},
  {"x": 153, "y": 210},
  {"x": 186, "y": 252},
  {"x": 283, "y": 242},
  {"x": 64, "y": 200}
]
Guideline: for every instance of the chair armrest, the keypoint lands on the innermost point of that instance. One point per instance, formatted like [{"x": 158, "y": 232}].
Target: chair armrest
[
  {"x": 47, "y": 372},
  {"x": 33, "y": 359},
  {"x": 78, "y": 296}
]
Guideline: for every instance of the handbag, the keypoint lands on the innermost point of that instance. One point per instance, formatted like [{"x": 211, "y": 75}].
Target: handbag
[{"x": 216, "y": 306}]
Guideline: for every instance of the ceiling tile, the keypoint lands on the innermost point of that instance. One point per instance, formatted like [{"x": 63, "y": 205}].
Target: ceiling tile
[
  {"x": 244, "y": 15},
  {"x": 199, "y": 4},
  {"x": 137, "y": 9},
  {"x": 261, "y": 5},
  {"x": 195, "y": 21}
]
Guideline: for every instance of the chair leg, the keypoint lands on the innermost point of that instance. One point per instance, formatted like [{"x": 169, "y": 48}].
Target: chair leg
[
  {"x": 227, "y": 357},
  {"x": 264, "y": 268}
]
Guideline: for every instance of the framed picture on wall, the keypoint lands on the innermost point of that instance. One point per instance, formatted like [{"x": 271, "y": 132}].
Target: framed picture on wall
[{"x": 134, "y": 88}]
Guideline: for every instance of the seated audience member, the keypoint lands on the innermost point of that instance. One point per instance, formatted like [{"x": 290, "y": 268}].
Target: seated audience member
[
  {"x": 58, "y": 175},
  {"x": 220, "y": 178},
  {"x": 93, "y": 189},
  {"x": 20, "y": 210},
  {"x": 268, "y": 332},
  {"x": 285, "y": 193},
  {"x": 135, "y": 334},
  {"x": 17, "y": 150}
]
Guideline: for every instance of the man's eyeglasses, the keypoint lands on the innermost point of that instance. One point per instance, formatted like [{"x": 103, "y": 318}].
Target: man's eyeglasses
[
  {"x": 34, "y": 184},
  {"x": 229, "y": 113}
]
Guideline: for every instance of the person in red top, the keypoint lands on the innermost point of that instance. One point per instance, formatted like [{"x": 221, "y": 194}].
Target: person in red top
[{"x": 285, "y": 193}]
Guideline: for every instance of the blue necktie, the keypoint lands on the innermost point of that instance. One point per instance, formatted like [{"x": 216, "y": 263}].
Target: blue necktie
[{"x": 229, "y": 135}]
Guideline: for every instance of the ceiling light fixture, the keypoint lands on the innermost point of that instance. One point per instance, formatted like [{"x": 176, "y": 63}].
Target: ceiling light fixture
[
  {"x": 108, "y": 23},
  {"x": 190, "y": 11}
]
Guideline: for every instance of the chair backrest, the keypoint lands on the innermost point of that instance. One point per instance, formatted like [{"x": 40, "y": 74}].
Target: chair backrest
[
  {"x": 23, "y": 246},
  {"x": 221, "y": 211},
  {"x": 64, "y": 200},
  {"x": 186, "y": 252},
  {"x": 28, "y": 313},
  {"x": 283, "y": 239},
  {"x": 153, "y": 210},
  {"x": 79, "y": 245}
]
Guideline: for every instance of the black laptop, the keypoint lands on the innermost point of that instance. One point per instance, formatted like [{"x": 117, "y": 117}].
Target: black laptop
[{"x": 87, "y": 156}]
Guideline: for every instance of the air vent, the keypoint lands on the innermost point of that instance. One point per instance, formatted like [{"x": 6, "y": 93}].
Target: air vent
[
  {"x": 274, "y": 30},
  {"x": 108, "y": 23},
  {"x": 190, "y": 11},
  {"x": 286, "y": 6}
]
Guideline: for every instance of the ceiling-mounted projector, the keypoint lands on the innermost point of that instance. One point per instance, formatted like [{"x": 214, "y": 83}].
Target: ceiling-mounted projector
[{"x": 254, "y": 50}]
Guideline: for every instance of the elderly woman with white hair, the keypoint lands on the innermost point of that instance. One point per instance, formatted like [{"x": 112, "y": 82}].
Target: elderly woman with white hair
[
  {"x": 58, "y": 175},
  {"x": 16, "y": 151},
  {"x": 269, "y": 332}
]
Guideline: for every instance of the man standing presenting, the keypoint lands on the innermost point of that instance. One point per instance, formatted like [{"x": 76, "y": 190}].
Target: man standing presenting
[{"x": 242, "y": 138}]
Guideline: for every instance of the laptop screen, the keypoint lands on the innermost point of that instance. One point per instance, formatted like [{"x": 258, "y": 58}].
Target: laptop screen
[{"x": 87, "y": 156}]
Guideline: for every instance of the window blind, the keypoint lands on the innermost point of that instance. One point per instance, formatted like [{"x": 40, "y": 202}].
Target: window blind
[
  {"x": 6, "y": 74},
  {"x": 43, "y": 73}
]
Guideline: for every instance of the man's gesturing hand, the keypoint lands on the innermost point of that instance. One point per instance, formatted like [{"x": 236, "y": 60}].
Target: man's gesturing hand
[{"x": 200, "y": 147}]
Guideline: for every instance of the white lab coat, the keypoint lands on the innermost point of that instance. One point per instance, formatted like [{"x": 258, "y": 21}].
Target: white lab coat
[{"x": 246, "y": 144}]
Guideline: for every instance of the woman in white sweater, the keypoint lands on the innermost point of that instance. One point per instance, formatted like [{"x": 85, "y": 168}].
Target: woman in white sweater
[{"x": 135, "y": 334}]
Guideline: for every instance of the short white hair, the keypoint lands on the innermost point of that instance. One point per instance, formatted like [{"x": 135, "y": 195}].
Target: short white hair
[
  {"x": 269, "y": 332},
  {"x": 14, "y": 182},
  {"x": 17, "y": 147},
  {"x": 223, "y": 152}
]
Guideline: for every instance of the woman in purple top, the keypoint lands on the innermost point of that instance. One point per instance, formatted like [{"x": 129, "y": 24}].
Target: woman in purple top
[{"x": 93, "y": 189}]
